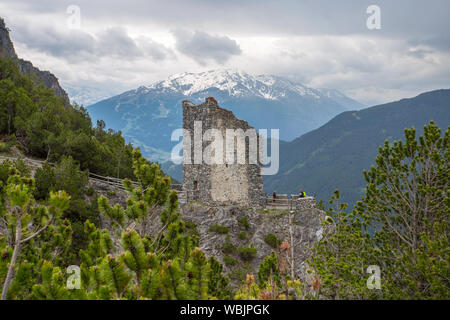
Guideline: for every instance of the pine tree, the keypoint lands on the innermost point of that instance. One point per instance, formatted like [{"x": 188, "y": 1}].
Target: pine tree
[
  {"x": 341, "y": 258},
  {"x": 27, "y": 226},
  {"x": 151, "y": 262},
  {"x": 408, "y": 198},
  {"x": 401, "y": 226}
]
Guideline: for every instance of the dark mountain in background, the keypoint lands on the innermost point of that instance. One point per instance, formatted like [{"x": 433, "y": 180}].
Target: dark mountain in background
[
  {"x": 342, "y": 99},
  {"x": 7, "y": 51},
  {"x": 334, "y": 155},
  {"x": 148, "y": 115}
]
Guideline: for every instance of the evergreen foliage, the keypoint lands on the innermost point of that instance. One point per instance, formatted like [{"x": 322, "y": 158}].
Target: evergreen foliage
[
  {"x": 44, "y": 127},
  {"x": 162, "y": 264},
  {"x": 31, "y": 233},
  {"x": 401, "y": 225}
]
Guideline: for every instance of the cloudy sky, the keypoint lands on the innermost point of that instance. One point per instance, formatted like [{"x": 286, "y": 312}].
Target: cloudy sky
[{"x": 120, "y": 45}]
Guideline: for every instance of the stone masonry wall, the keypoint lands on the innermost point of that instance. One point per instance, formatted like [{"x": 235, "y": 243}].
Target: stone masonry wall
[
  {"x": 231, "y": 184},
  {"x": 302, "y": 204}
]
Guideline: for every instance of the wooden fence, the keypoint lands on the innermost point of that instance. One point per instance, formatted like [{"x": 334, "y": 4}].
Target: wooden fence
[{"x": 114, "y": 182}]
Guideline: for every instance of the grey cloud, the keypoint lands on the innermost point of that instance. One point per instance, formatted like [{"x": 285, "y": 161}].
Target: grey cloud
[
  {"x": 400, "y": 17},
  {"x": 76, "y": 45},
  {"x": 202, "y": 46},
  {"x": 53, "y": 42},
  {"x": 411, "y": 49},
  {"x": 436, "y": 42},
  {"x": 154, "y": 49},
  {"x": 115, "y": 41}
]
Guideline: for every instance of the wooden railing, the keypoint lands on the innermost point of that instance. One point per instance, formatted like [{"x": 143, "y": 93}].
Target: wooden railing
[
  {"x": 283, "y": 201},
  {"x": 114, "y": 182}
]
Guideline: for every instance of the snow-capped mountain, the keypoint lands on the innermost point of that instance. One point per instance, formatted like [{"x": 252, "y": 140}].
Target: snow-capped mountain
[
  {"x": 148, "y": 115},
  {"x": 235, "y": 83}
]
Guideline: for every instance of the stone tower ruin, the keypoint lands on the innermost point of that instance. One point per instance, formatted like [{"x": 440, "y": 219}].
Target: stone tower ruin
[{"x": 218, "y": 183}]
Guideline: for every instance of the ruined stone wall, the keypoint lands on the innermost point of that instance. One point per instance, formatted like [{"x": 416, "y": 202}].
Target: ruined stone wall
[
  {"x": 302, "y": 204},
  {"x": 237, "y": 184}
]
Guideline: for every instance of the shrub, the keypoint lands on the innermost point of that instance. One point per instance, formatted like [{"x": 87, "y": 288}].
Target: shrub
[
  {"x": 228, "y": 246},
  {"x": 5, "y": 167},
  {"x": 90, "y": 191},
  {"x": 241, "y": 273},
  {"x": 217, "y": 228},
  {"x": 269, "y": 268},
  {"x": 44, "y": 178},
  {"x": 242, "y": 235},
  {"x": 243, "y": 222},
  {"x": 192, "y": 230},
  {"x": 4, "y": 147},
  {"x": 229, "y": 261},
  {"x": 65, "y": 175},
  {"x": 247, "y": 253},
  {"x": 272, "y": 240}
]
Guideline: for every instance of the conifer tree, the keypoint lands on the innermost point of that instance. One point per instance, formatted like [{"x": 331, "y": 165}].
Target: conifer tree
[
  {"x": 408, "y": 199},
  {"x": 342, "y": 256},
  {"x": 406, "y": 207},
  {"x": 26, "y": 228},
  {"x": 154, "y": 260}
]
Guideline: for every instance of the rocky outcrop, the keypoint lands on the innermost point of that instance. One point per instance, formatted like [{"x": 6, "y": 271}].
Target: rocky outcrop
[
  {"x": 302, "y": 204},
  {"x": 306, "y": 227},
  {"x": 47, "y": 78}
]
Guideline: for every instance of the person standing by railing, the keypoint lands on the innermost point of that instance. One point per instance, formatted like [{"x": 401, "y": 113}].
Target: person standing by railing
[
  {"x": 301, "y": 194},
  {"x": 274, "y": 195}
]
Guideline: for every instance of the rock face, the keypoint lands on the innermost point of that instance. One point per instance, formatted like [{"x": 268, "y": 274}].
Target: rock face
[
  {"x": 47, "y": 78},
  {"x": 302, "y": 204},
  {"x": 306, "y": 230},
  {"x": 210, "y": 177}
]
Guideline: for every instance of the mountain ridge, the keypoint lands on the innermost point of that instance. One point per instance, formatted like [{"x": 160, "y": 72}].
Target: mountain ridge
[
  {"x": 334, "y": 155},
  {"x": 148, "y": 114},
  {"x": 7, "y": 51}
]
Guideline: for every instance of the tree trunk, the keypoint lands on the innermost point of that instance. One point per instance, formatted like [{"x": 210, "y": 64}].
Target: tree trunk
[
  {"x": 291, "y": 232},
  {"x": 11, "y": 268}
]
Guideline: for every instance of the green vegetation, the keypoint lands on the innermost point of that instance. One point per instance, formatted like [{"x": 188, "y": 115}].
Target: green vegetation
[
  {"x": 5, "y": 146},
  {"x": 66, "y": 175},
  {"x": 44, "y": 127},
  {"x": 268, "y": 269},
  {"x": 229, "y": 261},
  {"x": 406, "y": 207},
  {"x": 247, "y": 253},
  {"x": 272, "y": 240},
  {"x": 218, "y": 229},
  {"x": 228, "y": 246},
  {"x": 243, "y": 223},
  {"x": 163, "y": 264},
  {"x": 240, "y": 273},
  {"x": 38, "y": 231},
  {"x": 242, "y": 235},
  {"x": 218, "y": 284}
]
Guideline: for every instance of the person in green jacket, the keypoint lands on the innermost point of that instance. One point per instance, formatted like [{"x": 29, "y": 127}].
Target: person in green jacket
[{"x": 301, "y": 194}]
